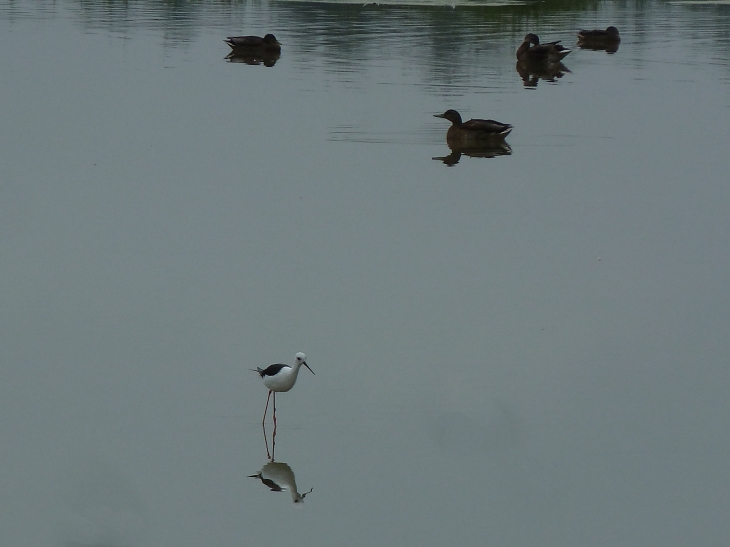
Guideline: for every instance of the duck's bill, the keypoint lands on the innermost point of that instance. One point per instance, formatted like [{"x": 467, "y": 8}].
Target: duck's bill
[
  {"x": 439, "y": 116},
  {"x": 306, "y": 365}
]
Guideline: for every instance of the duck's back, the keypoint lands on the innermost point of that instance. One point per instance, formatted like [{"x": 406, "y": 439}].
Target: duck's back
[
  {"x": 609, "y": 35},
  {"x": 488, "y": 126},
  {"x": 476, "y": 131},
  {"x": 245, "y": 41}
]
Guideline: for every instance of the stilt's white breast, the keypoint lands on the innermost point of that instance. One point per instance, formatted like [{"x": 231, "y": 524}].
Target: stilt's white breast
[{"x": 284, "y": 380}]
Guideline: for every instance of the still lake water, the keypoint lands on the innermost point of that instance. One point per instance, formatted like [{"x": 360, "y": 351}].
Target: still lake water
[{"x": 530, "y": 349}]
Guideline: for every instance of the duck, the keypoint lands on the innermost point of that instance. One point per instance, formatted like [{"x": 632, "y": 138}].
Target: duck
[
  {"x": 532, "y": 51},
  {"x": 472, "y": 132},
  {"x": 556, "y": 52},
  {"x": 599, "y": 37},
  {"x": 268, "y": 43},
  {"x": 528, "y": 54}
]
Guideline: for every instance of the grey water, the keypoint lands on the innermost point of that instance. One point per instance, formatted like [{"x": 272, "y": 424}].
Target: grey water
[{"x": 526, "y": 349}]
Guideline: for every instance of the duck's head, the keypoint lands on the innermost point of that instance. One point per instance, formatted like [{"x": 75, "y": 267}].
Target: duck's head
[
  {"x": 452, "y": 115},
  {"x": 302, "y": 360},
  {"x": 532, "y": 38},
  {"x": 271, "y": 40},
  {"x": 613, "y": 31}
]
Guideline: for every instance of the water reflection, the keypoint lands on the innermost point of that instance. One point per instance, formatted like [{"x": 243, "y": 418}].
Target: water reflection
[
  {"x": 279, "y": 477},
  {"x": 532, "y": 73},
  {"x": 446, "y": 48},
  {"x": 253, "y": 58},
  {"x": 491, "y": 150},
  {"x": 269, "y": 454},
  {"x": 608, "y": 49}
]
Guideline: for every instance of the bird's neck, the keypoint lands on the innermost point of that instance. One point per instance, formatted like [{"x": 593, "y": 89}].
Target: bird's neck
[
  {"x": 456, "y": 121},
  {"x": 523, "y": 47}
]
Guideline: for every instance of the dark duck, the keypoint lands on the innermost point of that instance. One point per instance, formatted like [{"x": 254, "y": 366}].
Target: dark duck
[
  {"x": 267, "y": 44},
  {"x": 473, "y": 132},
  {"x": 608, "y": 39},
  {"x": 532, "y": 51}
]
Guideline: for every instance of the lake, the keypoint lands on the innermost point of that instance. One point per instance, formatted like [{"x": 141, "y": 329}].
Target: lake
[{"x": 525, "y": 345}]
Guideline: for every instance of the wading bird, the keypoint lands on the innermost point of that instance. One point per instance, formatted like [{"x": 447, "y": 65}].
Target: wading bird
[{"x": 280, "y": 377}]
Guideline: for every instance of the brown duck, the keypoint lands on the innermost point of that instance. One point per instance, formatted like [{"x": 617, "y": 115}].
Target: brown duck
[
  {"x": 597, "y": 39},
  {"x": 472, "y": 132},
  {"x": 532, "y": 51}
]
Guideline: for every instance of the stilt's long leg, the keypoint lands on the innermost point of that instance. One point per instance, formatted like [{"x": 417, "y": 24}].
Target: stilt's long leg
[
  {"x": 275, "y": 411},
  {"x": 273, "y": 443},
  {"x": 267, "y": 408}
]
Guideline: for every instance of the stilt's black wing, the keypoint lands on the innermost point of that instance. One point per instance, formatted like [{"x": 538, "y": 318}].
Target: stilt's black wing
[{"x": 271, "y": 370}]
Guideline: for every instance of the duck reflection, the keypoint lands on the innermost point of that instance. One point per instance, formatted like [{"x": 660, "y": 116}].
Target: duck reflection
[
  {"x": 279, "y": 477},
  {"x": 253, "y": 58},
  {"x": 532, "y": 73},
  {"x": 613, "y": 48},
  {"x": 490, "y": 150}
]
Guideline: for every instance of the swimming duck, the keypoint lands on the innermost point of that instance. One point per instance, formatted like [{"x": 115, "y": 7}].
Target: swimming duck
[
  {"x": 268, "y": 43},
  {"x": 609, "y": 36},
  {"x": 556, "y": 52},
  {"x": 472, "y": 132},
  {"x": 607, "y": 40},
  {"x": 532, "y": 51},
  {"x": 528, "y": 54}
]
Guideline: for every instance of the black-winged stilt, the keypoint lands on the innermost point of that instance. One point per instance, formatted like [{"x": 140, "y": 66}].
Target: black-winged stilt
[{"x": 280, "y": 377}]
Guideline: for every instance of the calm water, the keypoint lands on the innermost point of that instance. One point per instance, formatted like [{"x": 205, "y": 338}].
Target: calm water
[{"x": 529, "y": 349}]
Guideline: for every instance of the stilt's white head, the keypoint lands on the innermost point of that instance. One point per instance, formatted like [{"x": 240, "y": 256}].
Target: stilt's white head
[{"x": 302, "y": 360}]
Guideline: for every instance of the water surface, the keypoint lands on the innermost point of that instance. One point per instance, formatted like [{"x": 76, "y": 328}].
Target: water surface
[{"x": 524, "y": 349}]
